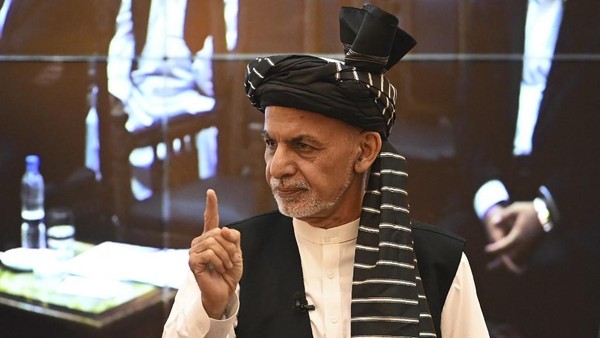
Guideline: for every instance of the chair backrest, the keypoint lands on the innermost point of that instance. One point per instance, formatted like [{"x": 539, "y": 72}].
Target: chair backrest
[
  {"x": 173, "y": 143},
  {"x": 173, "y": 215}
]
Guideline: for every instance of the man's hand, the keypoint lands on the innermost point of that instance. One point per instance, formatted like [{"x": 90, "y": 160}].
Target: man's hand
[
  {"x": 497, "y": 227},
  {"x": 216, "y": 260},
  {"x": 513, "y": 231}
]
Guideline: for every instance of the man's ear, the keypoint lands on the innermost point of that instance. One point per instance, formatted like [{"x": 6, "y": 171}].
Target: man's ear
[{"x": 370, "y": 146}]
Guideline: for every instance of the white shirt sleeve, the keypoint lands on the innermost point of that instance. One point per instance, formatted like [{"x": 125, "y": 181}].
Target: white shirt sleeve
[
  {"x": 491, "y": 193},
  {"x": 121, "y": 52},
  {"x": 189, "y": 319},
  {"x": 462, "y": 316}
]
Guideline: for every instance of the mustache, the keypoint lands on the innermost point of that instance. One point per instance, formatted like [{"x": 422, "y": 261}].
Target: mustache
[{"x": 287, "y": 184}]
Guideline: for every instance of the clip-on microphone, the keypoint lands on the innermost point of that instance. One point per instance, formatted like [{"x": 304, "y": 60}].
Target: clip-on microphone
[{"x": 301, "y": 304}]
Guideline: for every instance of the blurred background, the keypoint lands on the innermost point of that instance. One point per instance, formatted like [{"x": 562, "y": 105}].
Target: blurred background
[
  {"x": 136, "y": 107},
  {"x": 63, "y": 63}
]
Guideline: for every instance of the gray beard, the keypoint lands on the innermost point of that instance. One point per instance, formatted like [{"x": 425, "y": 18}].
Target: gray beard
[{"x": 306, "y": 204}]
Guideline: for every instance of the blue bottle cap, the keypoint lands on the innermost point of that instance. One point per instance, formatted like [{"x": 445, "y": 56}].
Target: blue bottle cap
[{"x": 32, "y": 161}]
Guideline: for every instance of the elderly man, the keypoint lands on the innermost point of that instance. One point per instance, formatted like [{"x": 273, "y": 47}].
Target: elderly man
[{"x": 342, "y": 256}]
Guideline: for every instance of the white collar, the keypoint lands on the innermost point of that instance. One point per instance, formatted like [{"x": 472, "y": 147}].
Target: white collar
[{"x": 339, "y": 234}]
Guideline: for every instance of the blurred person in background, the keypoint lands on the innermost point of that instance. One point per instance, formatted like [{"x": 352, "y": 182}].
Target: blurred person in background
[
  {"x": 160, "y": 66},
  {"x": 528, "y": 141}
]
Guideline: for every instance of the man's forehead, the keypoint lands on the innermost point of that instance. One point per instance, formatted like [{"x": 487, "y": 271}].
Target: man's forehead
[
  {"x": 294, "y": 116},
  {"x": 292, "y": 131},
  {"x": 295, "y": 136},
  {"x": 292, "y": 123}
]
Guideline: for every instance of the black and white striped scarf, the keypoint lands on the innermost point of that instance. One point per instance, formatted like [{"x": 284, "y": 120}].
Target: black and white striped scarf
[{"x": 388, "y": 299}]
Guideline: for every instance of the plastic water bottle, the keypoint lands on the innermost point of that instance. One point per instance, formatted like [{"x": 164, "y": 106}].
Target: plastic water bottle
[
  {"x": 33, "y": 229},
  {"x": 92, "y": 142}
]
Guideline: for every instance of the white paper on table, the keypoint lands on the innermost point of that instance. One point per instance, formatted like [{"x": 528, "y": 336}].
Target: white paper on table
[
  {"x": 100, "y": 288},
  {"x": 127, "y": 262}
]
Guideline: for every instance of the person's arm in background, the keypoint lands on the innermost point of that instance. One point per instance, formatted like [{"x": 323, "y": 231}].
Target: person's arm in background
[{"x": 121, "y": 53}]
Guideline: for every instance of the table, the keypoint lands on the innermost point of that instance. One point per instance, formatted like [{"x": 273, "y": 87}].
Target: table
[{"x": 36, "y": 306}]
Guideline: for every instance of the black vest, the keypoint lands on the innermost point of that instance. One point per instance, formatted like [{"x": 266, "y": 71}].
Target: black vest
[{"x": 273, "y": 278}]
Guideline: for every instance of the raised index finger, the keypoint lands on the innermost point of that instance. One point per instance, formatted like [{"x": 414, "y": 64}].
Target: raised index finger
[{"x": 211, "y": 213}]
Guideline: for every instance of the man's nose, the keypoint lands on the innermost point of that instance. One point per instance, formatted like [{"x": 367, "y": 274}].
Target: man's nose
[{"x": 281, "y": 163}]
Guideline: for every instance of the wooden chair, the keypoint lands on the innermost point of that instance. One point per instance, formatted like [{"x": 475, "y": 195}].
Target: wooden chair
[{"x": 173, "y": 215}]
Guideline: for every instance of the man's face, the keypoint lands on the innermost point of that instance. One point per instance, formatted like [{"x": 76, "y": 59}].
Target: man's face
[{"x": 310, "y": 166}]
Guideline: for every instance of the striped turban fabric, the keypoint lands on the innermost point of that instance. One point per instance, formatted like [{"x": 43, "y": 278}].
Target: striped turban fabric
[
  {"x": 323, "y": 86},
  {"x": 387, "y": 293}
]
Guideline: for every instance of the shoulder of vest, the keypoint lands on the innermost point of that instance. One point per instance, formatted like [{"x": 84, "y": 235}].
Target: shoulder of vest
[
  {"x": 434, "y": 244},
  {"x": 263, "y": 228},
  {"x": 434, "y": 231},
  {"x": 265, "y": 219}
]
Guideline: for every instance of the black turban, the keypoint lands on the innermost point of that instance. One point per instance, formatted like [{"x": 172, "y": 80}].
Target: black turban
[{"x": 355, "y": 91}]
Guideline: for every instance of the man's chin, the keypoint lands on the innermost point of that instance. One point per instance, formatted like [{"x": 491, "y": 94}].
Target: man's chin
[
  {"x": 290, "y": 211},
  {"x": 285, "y": 209},
  {"x": 299, "y": 211}
]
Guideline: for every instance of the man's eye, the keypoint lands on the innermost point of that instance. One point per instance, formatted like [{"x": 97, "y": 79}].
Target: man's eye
[
  {"x": 269, "y": 143},
  {"x": 304, "y": 146}
]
